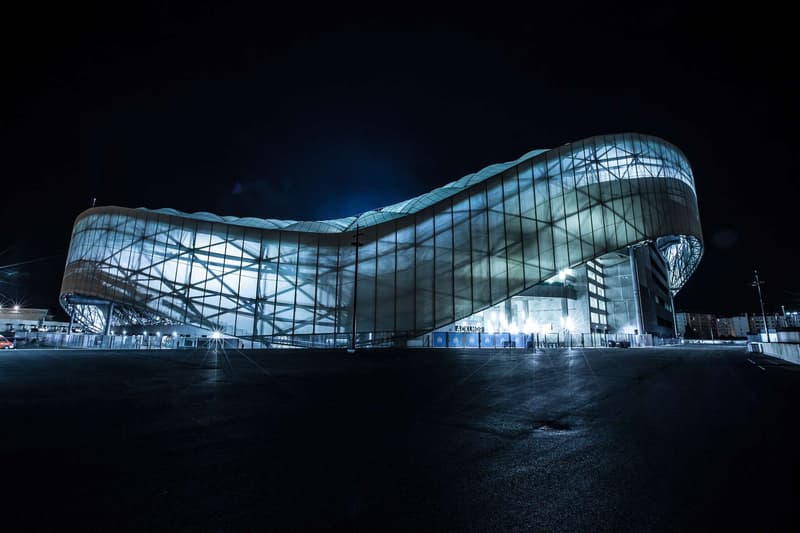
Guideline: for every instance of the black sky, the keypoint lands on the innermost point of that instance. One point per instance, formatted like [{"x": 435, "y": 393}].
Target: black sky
[{"x": 318, "y": 113}]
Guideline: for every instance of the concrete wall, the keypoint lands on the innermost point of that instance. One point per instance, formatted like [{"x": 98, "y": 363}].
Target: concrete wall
[
  {"x": 788, "y": 336},
  {"x": 619, "y": 293},
  {"x": 783, "y": 350}
]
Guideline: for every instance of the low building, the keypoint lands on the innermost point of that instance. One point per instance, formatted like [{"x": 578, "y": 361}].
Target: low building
[
  {"x": 737, "y": 326},
  {"x": 757, "y": 323},
  {"x": 23, "y": 319},
  {"x": 789, "y": 319},
  {"x": 697, "y": 325}
]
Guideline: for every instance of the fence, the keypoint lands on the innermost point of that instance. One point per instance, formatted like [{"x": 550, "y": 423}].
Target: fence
[
  {"x": 436, "y": 339},
  {"x": 121, "y": 342}
]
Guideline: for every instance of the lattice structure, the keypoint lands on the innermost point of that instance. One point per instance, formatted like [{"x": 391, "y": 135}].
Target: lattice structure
[{"x": 422, "y": 263}]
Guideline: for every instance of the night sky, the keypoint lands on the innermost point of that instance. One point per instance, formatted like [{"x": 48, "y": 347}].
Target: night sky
[{"x": 312, "y": 114}]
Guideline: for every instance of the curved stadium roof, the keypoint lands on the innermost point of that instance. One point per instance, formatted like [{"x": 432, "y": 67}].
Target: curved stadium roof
[
  {"x": 596, "y": 159},
  {"x": 368, "y": 218}
]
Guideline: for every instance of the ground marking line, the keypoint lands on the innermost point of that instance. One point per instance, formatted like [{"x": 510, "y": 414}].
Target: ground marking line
[
  {"x": 264, "y": 370},
  {"x": 761, "y": 367}
]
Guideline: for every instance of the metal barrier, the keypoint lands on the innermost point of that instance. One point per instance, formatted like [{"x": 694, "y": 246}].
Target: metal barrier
[
  {"x": 379, "y": 339},
  {"x": 120, "y": 342}
]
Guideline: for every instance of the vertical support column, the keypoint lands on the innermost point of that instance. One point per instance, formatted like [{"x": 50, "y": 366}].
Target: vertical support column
[
  {"x": 674, "y": 318},
  {"x": 257, "y": 311},
  {"x": 108, "y": 318},
  {"x": 316, "y": 294},
  {"x": 635, "y": 286},
  {"x": 355, "y": 243}
]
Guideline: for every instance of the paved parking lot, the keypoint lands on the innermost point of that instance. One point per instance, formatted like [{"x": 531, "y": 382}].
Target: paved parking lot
[{"x": 606, "y": 439}]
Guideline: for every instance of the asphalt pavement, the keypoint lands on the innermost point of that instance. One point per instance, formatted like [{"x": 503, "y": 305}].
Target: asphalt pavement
[{"x": 651, "y": 439}]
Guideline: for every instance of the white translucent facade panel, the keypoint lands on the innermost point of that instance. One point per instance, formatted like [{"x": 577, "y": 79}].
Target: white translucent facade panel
[
  {"x": 479, "y": 231},
  {"x": 543, "y": 216},
  {"x": 385, "y": 280},
  {"x": 443, "y": 266},
  {"x": 367, "y": 271},
  {"x": 328, "y": 278},
  {"x": 248, "y": 283},
  {"x": 305, "y": 285},
  {"x": 286, "y": 286},
  {"x": 424, "y": 272},
  {"x": 405, "y": 291},
  {"x": 229, "y": 280},
  {"x": 512, "y": 227},
  {"x": 482, "y": 242},
  {"x": 267, "y": 285},
  {"x": 461, "y": 256},
  {"x": 498, "y": 259},
  {"x": 345, "y": 295}
]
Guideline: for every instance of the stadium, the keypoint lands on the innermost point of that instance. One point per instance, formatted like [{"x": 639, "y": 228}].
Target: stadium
[{"x": 594, "y": 237}]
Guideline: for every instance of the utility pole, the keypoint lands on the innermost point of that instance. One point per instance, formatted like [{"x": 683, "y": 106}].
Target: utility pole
[
  {"x": 357, "y": 243},
  {"x": 757, "y": 284}
]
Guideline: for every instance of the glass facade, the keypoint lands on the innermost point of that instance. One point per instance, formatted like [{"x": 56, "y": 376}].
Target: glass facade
[{"x": 421, "y": 264}]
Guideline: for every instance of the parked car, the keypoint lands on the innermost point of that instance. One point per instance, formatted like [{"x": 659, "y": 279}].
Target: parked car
[
  {"x": 6, "y": 344},
  {"x": 619, "y": 344}
]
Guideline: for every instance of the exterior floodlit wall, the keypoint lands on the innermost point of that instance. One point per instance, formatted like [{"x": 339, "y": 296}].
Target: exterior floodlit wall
[
  {"x": 655, "y": 298},
  {"x": 482, "y": 241},
  {"x": 620, "y": 298}
]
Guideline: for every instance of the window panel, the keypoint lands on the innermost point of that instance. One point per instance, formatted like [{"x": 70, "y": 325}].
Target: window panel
[
  {"x": 481, "y": 282},
  {"x": 443, "y": 269},
  {"x": 424, "y": 272},
  {"x": 384, "y": 320},
  {"x": 406, "y": 284}
]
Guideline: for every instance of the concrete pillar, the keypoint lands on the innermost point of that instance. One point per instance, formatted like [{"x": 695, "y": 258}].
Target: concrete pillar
[
  {"x": 674, "y": 319},
  {"x": 637, "y": 303},
  {"x": 108, "y": 318}
]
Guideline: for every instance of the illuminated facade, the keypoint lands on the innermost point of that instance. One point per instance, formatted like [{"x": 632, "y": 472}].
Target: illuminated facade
[{"x": 583, "y": 228}]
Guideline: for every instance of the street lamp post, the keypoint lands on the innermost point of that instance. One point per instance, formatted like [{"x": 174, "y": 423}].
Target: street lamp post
[{"x": 757, "y": 284}]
